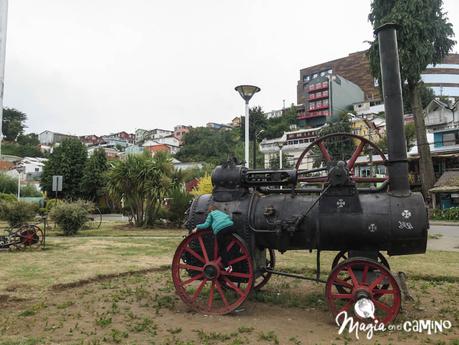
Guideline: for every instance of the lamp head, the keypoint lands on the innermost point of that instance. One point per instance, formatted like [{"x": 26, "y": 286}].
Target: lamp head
[{"x": 247, "y": 91}]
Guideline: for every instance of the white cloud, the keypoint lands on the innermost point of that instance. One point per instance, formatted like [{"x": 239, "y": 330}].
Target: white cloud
[{"x": 95, "y": 66}]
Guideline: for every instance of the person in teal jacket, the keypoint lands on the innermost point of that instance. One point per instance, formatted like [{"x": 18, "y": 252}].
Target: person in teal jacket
[{"x": 223, "y": 227}]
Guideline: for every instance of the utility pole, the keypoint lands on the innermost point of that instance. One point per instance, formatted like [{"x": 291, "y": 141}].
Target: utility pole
[{"x": 3, "y": 22}]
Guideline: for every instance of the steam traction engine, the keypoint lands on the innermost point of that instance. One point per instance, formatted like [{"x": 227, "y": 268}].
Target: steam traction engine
[{"x": 282, "y": 210}]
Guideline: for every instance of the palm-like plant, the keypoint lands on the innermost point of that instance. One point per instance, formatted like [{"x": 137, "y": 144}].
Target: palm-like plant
[{"x": 141, "y": 183}]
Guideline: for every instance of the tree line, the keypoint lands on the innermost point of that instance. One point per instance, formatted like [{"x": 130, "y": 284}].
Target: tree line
[{"x": 145, "y": 188}]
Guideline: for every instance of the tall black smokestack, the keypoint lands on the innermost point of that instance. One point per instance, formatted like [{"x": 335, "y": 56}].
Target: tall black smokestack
[{"x": 393, "y": 105}]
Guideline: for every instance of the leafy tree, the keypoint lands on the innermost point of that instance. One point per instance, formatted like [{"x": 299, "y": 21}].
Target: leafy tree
[
  {"x": 93, "y": 182},
  {"x": 257, "y": 122},
  {"x": 424, "y": 38},
  {"x": 203, "y": 144},
  {"x": 16, "y": 149},
  {"x": 30, "y": 139},
  {"x": 13, "y": 123},
  {"x": 276, "y": 126},
  {"x": 68, "y": 160},
  {"x": 425, "y": 94},
  {"x": 339, "y": 148},
  {"x": 30, "y": 191},
  {"x": 141, "y": 182},
  {"x": 196, "y": 172},
  {"x": 286, "y": 161},
  {"x": 410, "y": 136}
]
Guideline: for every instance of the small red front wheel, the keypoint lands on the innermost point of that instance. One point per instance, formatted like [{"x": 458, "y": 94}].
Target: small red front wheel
[
  {"x": 200, "y": 280},
  {"x": 265, "y": 275},
  {"x": 358, "y": 282}
]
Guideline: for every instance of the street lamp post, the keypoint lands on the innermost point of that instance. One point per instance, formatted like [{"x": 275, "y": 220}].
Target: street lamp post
[
  {"x": 19, "y": 170},
  {"x": 246, "y": 92},
  {"x": 280, "y": 145}
]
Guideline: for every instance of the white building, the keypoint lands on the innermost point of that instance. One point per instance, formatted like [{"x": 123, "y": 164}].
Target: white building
[
  {"x": 169, "y": 140},
  {"x": 440, "y": 115},
  {"x": 293, "y": 144},
  {"x": 142, "y": 135},
  {"x": 51, "y": 138},
  {"x": 274, "y": 113}
]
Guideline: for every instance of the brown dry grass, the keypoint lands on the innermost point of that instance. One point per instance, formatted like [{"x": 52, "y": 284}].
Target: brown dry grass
[{"x": 82, "y": 290}]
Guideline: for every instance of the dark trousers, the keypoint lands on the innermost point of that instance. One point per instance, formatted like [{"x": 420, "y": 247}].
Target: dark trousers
[{"x": 223, "y": 239}]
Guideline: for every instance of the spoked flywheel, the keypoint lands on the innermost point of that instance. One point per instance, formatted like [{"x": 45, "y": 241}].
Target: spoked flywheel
[
  {"x": 367, "y": 290},
  {"x": 200, "y": 280}
]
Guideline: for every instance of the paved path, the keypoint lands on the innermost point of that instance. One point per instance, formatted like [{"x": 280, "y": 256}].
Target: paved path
[{"x": 448, "y": 239}]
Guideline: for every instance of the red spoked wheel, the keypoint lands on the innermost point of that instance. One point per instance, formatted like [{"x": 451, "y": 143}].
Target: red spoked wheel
[
  {"x": 344, "y": 255},
  {"x": 200, "y": 280},
  {"x": 30, "y": 236},
  {"x": 366, "y": 282},
  {"x": 261, "y": 280},
  {"x": 336, "y": 140}
]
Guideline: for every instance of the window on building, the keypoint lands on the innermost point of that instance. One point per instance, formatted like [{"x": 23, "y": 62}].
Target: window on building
[
  {"x": 330, "y": 71},
  {"x": 315, "y": 75},
  {"x": 450, "y": 139}
]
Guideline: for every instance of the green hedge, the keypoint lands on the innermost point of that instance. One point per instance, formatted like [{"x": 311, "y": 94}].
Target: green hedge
[
  {"x": 16, "y": 212},
  {"x": 446, "y": 214},
  {"x": 71, "y": 216}
]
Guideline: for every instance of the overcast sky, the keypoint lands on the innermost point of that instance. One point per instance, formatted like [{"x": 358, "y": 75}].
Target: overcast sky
[{"x": 102, "y": 66}]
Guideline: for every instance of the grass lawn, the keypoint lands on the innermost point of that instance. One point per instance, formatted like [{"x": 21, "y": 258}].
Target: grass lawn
[
  {"x": 76, "y": 292},
  {"x": 113, "y": 249}
]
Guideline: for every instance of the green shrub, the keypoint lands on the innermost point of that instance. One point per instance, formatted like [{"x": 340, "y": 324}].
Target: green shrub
[
  {"x": 30, "y": 191},
  {"x": 17, "y": 212},
  {"x": 8, "y": 197},
  {"x": 446, "y": 214},
  {"x": 8, "y": 184},
  {"x": 178, "y": 204},
  {"x": 50, "y": 203},
  {"x": 71, "y": 216}
]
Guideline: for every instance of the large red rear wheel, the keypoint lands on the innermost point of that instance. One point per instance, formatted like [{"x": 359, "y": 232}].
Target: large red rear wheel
[
  {"x": 362, "y": 281},
  {"x": 200, "y": 280}
]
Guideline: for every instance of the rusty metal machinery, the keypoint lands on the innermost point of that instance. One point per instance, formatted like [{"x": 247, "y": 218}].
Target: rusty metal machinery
[{"x": 322, "y": 209}]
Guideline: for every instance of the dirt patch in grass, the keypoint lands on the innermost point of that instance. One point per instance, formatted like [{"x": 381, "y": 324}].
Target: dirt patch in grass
[
  {"x": 102, "y": 277},
  {"x": 143, "y": 309}
]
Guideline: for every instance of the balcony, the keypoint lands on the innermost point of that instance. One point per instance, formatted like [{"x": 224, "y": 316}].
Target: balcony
[
  {"x": 312, "y": 114},
  {"x": 311, "y": 96},
  {"x": 320, "y": 95}
]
